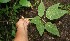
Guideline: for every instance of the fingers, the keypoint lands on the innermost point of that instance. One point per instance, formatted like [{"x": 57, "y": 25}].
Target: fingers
[
  {"x": 22, "y": 17},
  {"x": 22, "y": 23},
  {"x": 26, "y": 21}
]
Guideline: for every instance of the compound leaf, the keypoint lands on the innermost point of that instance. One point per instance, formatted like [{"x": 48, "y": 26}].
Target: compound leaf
[
  {"x": 41, "y": 9},
  {"x": 4, "y": 1},
  {"x": 51, "y": 28},
  {"x": 25, "y": 3},
  {"x": 54, "y": 13},
  {"x": 39, "y": 24}
]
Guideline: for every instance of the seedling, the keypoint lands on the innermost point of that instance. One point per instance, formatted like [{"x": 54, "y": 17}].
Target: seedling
[{"x": 53, "y": 12}]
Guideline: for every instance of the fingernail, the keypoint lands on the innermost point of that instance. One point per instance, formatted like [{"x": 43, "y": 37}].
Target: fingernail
[{"x": 22, "y": 17}]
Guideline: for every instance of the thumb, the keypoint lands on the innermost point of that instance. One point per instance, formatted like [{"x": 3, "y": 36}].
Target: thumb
[{"x": 22, "y": 17}]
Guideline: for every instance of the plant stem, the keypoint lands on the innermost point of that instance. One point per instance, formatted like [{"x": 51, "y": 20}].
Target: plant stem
[
  {"x": 28, "y": 18},
  {"x": 41, "y": 0}
]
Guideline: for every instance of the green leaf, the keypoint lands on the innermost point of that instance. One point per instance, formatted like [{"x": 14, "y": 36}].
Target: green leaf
[
  {"x": 13, "y": 30},
  {"x": 13, "y": 33},
  {"x": 16, "y": 7},
  {"x": 51, "y": 28},
  {"x": 40, "y": 28},
  {"x": 25, "y": 3},
  {"x": 54, "y": 13},
  {"x": 39, "y": 24},
  {"x": 35, "y": 20},
  {"x": 7, "y": 10},
  {"x": 4, "y": 1},
  {"x": 41, "y": 9}
]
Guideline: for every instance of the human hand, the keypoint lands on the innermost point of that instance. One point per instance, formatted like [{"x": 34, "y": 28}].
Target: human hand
[
  {"x": 22, "y": 23},
  {"x": 22, "y": 32}
]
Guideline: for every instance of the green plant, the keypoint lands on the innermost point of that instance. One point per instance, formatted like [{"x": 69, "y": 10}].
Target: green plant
[
  {"x": 41, "y": 9},
  {"x": 4, "y": 1},
  {"x": 12, "y": 17},
  {"x": 53, "y": 12},
  {"x": 25, "y": 3},
  {"x": 66, "y": 7}
]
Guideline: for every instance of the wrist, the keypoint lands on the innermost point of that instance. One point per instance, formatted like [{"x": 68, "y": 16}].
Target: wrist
[{"x": 22, "y": 29}]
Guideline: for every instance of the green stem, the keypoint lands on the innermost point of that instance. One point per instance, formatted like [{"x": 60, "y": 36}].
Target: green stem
[
  {"x": 29, "y": 18},
  {"x": 41, "y": 0}
]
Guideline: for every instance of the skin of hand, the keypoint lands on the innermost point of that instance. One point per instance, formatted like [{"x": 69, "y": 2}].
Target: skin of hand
[{"x": 21, "y": 34}]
